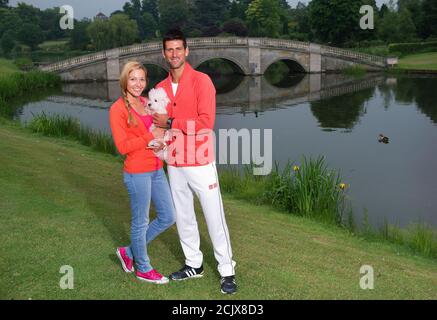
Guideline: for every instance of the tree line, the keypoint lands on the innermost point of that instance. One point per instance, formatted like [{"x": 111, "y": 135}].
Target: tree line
[{"x": 335, "y": 22}]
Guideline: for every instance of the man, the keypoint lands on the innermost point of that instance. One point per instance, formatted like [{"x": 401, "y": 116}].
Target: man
[{"x": 191, "y": 167}]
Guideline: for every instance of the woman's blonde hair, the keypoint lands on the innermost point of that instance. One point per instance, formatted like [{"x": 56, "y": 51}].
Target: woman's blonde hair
[{"x": 127, "y": 69}]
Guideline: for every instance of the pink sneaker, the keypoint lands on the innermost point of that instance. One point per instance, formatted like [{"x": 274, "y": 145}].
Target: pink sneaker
[
  {"x": 126, "y": 262},
  {"x": 152, "y": 276}
]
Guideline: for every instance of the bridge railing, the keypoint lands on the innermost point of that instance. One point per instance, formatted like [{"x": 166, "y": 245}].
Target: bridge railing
[
  {"x": 218, "y": 42},
  {"x": 359, "y": 56},
  {"x": 74, "y": 61},
  {"x": 286, "y": 44},
  {"x": 150, "y": 46}
]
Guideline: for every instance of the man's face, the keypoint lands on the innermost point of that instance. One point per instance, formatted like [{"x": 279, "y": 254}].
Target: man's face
[{"x": 175, "y": 53}]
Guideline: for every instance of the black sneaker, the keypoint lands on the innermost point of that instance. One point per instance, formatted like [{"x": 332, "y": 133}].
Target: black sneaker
[
  {"x": 187, "y": 272},
  {"x": 228, "y": 285}
]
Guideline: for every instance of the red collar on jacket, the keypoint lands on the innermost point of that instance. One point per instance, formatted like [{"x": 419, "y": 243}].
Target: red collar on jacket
[{"x": 185, "y": 78}]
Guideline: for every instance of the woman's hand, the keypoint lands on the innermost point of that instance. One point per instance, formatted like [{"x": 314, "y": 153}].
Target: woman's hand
[{"x": 157, "y": 145}]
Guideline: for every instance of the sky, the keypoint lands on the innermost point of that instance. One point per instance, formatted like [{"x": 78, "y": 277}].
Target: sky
[{"x": 89, "y": 8}]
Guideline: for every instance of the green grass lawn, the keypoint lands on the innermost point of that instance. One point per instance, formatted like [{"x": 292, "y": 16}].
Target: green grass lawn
[
  {"x": 53, "y": 44},
  {"x": 7, "y": 67},
  {"x": 422, "y": 61},
  {"x": 63, "y": 204}
]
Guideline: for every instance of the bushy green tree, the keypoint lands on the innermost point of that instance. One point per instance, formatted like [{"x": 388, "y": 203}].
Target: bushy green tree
[
  {"x": 4, "y": 3},
  {"x": 335, "y": 21},
  {"x": 174, "y": 14},
  {"x": 150, "y": 26},
  {"x": 211, "y": 13},
  {"x": 31, "y": 35},
  {"x": 263, "y": 18},
  {"x": 429, "y": 8},
  {"x": 99, "y": 33},
  {"x": 238, "y": 9},
  {"x": 28, "y": 13},
  {"x": 79, "y": 38},
  {"x": 389, "y": 27},
  {"x": 49, "y": 23},
  {"x": 236, "y": 27},
  {"x": 7, "y": 42},
  {"x": 9, "y": 20},
  {"x": 407, "y": 27},
  {"x": 150, "y": 7},
  {"x": 124, "y": 31},
  {"x": 118, "y": 31}
]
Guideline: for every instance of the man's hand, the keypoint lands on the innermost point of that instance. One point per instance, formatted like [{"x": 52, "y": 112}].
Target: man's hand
[{"x": 160, "y": 120}]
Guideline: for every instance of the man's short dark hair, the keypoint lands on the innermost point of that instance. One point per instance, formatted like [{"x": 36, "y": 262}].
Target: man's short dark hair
[{"x": 174, "y": 34}]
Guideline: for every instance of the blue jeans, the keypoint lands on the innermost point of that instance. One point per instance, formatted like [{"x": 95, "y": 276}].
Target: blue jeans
[{"x": 143, "y": 188}]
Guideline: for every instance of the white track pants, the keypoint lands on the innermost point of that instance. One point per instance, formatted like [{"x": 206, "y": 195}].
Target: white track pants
[{"x": 203, "y": 181}]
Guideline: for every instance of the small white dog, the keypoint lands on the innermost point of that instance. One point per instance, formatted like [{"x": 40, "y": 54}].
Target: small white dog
[{"x": 158, "y": 100}]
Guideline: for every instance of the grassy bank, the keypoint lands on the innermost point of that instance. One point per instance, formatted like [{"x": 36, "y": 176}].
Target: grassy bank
[
  {"x": 17, "y": 85},
  {"x": 309, "y": 189},
  {"x": 68, "y": 127},
  {"x": 63, "y": 204},
  {"x": 422, "y": 61},
  {"x": 7, "y": 67}
]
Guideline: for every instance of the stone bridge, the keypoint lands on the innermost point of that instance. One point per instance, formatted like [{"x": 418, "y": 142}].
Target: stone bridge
[{"x": 251, "y": 56}]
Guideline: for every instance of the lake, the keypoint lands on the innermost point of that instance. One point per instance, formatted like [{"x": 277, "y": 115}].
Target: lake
[{"x": 337, "y": 116}]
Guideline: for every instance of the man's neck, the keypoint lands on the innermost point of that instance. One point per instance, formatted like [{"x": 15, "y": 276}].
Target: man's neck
[{"x": 176, "y": 74}]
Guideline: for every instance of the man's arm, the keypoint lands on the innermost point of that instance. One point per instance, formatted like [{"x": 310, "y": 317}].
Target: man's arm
[{"x": 205, "y": 108}]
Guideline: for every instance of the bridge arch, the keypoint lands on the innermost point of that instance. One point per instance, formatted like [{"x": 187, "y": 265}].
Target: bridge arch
[
  {"x": 236, "y": 65},
  {"x": 293, "y": 65},
  {"x": 252, "y": 55}
]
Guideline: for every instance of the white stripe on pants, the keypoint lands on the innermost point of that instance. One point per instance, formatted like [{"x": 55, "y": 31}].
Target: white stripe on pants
[{"x": 203, "y": 180}]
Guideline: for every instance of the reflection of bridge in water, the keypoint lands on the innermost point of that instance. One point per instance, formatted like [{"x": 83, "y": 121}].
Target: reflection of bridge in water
[{"x": 253, "y": 94}]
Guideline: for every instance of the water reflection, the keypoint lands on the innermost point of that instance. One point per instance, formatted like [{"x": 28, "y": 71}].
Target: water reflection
[
  {"x": 332, "y": 115},
  {"x": 341, "y": 112}
]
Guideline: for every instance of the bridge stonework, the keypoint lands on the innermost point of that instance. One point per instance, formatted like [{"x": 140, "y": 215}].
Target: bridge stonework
[{"x": 252, "y": 56}]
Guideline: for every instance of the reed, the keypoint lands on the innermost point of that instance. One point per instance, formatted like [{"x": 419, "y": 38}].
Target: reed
[
  {"x": 310, "y": 190},
  {"x": 68, "y": 127},
  {"x": 22, "y": 84}
]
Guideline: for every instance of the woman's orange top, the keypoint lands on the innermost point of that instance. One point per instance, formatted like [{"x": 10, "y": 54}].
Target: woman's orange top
[{"x": 131, "y": 141}]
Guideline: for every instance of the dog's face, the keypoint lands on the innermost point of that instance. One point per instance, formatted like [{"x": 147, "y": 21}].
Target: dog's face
[{"x": 158, "y": 100}]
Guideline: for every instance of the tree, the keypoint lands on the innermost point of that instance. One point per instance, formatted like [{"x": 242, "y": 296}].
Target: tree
[
  {"x": 151, "y": 7},
  {"x": 49, "y": 23},
  {"x": 4, "y": 3},
  {"x": 389, "y": 27},
  {"x": 335, "y": 21},
  {"x": 430, "y": 17},
  {"x": 28, "y": 13},
  {"x": 123, "y": 31},
  {"x": 235, "y": 26},
  {"x": 31, "y": 35},
  {"x": 7, "y": 42},
  {"x": 406, "y": 26},
  {"x": 383, "y": 11},
  {"x": 9, "y": 20},
  {"x": 238, "y": 9},
  {"x": 150, "y": 26},
  {"x": 211, "y": 13},
  {"x": 79, "y": 38},
  {"x": 100, "y": 34},
  {"x": 263, "y": 18},
  {"x": 174, "y": 14},
  {"x": 299, "y": 23}
]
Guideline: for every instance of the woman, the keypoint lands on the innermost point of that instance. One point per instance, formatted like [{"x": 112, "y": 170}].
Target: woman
[{"x": 143, "y": 174}]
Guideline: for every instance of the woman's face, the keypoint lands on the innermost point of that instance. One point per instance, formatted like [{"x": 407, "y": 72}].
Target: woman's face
[{"x": 136, "y": 82}]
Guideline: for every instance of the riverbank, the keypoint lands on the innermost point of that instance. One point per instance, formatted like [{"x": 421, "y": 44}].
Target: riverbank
[{"x": 69, "y": 200}]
